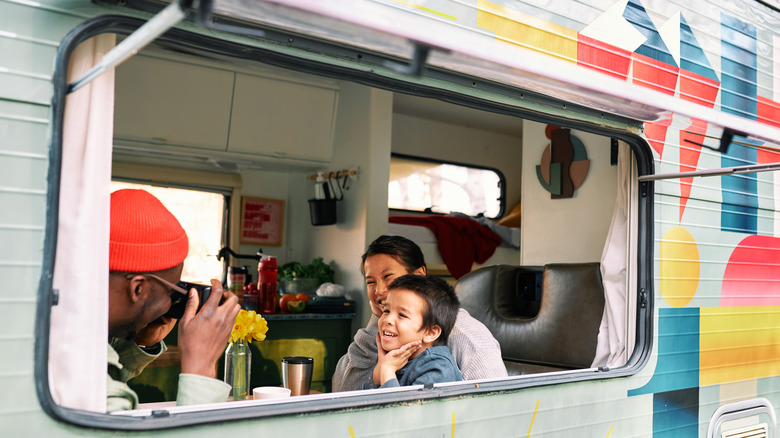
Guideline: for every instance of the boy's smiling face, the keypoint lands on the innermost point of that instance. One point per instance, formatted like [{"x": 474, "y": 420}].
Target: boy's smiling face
[{"x": 401, "y": 320}]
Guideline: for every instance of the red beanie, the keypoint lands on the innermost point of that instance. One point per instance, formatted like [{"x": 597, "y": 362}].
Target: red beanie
[{"x": 145, "y": 236}]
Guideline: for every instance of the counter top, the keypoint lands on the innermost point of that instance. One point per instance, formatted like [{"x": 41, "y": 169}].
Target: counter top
[{"x": 283, "y": 316}]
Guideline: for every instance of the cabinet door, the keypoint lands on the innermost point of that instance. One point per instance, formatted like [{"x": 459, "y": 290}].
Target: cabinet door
[
  {"x": 164, "y": 102},
  {"x": 282, "y": 119}
]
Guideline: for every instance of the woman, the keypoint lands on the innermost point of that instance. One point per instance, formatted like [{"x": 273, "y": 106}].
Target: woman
[{"x": 476, "y": 352}]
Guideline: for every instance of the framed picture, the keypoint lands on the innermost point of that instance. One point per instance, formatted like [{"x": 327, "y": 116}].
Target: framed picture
[{"x": 262, "y": 221}]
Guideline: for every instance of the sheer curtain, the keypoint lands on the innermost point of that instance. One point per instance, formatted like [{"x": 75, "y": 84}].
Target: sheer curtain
[
  {"x": 79, "y": 329},
  {"x": 616, "y": 340}
]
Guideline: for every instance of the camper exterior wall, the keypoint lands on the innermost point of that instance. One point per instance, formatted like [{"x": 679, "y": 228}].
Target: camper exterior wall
[{"x": 715, "y": 270}]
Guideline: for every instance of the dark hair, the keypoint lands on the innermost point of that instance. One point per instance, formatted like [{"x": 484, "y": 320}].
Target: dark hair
[
  {"x": 441, "y": 302},
  {"x": 400, "y": 248}
]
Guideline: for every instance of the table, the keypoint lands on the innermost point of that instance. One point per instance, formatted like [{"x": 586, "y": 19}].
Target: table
[{"x": 325, "y": 337}]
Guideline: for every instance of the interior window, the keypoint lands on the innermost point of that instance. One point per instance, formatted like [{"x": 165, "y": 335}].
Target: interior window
[
  {"x": 201, "y": 213},
  {"x": 430, "y": 186}
]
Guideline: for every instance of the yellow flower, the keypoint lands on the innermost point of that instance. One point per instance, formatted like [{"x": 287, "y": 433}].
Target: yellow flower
[{"x": 249, "y": 325}]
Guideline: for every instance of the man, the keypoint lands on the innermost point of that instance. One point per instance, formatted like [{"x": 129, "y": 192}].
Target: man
[{"x": 146, "y": 255}]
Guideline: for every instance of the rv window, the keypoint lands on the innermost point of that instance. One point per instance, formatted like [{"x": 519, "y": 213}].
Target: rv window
[
  {"x": 480, "y": 156},
  {"x": 431, "y": 186}
]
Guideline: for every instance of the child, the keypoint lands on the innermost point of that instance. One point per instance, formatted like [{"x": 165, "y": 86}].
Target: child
[{"x": 417, "y": 317}]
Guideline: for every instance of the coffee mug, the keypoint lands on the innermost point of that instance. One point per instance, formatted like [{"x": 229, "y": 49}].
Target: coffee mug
[{"x": 262, "y": 392}]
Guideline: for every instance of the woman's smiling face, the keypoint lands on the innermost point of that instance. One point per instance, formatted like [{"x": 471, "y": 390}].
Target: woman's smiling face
[
  {"x": 380, "y": 270},
  {"x": 402, "y": 319}
]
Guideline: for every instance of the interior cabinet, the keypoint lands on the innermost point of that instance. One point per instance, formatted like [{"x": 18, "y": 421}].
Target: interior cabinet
[
  {"x": 172, "y": 103},
  {"x": 165, "y": 105},
  {"x": 282, "y": 119}
]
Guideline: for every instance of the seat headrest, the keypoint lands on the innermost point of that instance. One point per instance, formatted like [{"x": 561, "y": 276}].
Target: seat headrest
[{"x": 564, "y": 333}]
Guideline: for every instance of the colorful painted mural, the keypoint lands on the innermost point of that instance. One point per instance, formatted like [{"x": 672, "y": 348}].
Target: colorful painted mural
[{"x": 718, "y": 250}]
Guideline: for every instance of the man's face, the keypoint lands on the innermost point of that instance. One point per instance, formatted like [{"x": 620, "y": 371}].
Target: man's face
[
  {"x": 401, "y": 320},
  {"x": 149, "y": 310}
]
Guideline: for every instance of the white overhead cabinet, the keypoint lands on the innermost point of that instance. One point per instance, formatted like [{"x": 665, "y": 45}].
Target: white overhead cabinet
[
  {"x": 283, "y": 119},
  {"x": 171, "y": 103},
  {"x": 165, "y": 105}
]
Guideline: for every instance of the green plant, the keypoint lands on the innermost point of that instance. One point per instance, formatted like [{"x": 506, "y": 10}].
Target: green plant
[{"x": 317, "y": 269}]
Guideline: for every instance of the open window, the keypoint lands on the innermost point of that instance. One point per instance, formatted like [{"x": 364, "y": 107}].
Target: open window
[
  {"x": 432, "y": 186},
  {"x": 558, "y": 226}
]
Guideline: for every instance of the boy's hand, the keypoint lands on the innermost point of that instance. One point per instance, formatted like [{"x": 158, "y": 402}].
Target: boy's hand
[{"x": 388, "y": 362}]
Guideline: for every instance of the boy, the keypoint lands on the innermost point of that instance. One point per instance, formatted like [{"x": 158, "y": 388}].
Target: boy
[{"x": 417, "y": 317}]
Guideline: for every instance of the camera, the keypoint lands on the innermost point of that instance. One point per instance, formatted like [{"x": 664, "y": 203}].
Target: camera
[{"x": 179, "y": 301}]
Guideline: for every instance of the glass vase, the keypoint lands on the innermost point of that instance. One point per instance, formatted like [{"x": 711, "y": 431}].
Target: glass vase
[{"x": 238, "y": 363}]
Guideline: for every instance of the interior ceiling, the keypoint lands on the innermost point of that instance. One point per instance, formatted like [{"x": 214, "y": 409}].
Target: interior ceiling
[{"x": 433, "y": 109}]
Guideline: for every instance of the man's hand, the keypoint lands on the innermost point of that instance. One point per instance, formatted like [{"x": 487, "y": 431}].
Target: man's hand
[
  {"x": 203, "y": 336},
  {"x": 155, "y": 332},
  {"x": 389, "y": 362}
]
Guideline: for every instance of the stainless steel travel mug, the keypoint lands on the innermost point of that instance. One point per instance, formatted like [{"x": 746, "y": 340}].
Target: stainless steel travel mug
[{"x": 296, "y": 374}]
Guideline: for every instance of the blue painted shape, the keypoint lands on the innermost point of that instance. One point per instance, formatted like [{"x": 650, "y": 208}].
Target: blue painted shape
[
  {"x": 678, "y": 352},
  {"x": 654, "y": 47},
  {"x": 692, "y": 57},
  {"x": 739, "y": 69},
  {"x": 738, "y": 96},
  {"x": 676, "y": 413}
]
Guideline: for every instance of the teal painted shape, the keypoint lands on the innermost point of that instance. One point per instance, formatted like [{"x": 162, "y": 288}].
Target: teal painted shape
[
  {"x": 580, "y": 153},
  {"x": 555, "y": 178},
  {"x": 692, "y": 57},
  {"x": 678, "y": 352},
  {"x": 676, "y": 413}
]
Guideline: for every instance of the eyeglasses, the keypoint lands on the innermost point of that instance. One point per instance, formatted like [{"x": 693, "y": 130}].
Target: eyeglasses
[{"x": 176, "y": 299}]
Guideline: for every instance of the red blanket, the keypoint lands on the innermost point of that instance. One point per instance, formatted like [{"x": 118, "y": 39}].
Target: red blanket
[{"x": 461, "y": 241}]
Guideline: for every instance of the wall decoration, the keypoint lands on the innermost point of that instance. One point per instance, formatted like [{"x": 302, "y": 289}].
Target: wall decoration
[
  {"x": 564, "y": 164},
  {"x": 262, "y": 221}
]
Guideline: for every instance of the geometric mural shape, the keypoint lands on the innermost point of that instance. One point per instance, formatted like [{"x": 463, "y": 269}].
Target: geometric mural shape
[
  {"x": 603, "y": 57},
  {"x": 678, "y": 267},
  {"x": 677, "y": 366},
  {"x": 752, "y": 275},
  {"x": 738, "y": 343},
  {"x": 515, "y": 27},
  {"x": 654, "y": 46},
  {"x": 676, "y": 413},
  {"x": 692, "y": 57}
]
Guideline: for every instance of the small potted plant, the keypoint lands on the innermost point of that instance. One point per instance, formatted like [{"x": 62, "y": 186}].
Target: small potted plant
[{"x": 295, "y": 278}]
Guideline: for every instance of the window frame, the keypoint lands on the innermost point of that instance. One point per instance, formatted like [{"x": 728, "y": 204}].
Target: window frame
[
  {"x": 501, "y": 183},
  {"x": 197, "y": 415}
]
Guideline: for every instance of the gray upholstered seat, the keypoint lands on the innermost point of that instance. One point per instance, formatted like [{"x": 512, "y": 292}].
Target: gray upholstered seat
[{"x": 564, "y": 332}]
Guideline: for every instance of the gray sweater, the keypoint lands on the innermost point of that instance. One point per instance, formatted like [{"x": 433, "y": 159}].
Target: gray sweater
[{"x": 476, "y": 352}]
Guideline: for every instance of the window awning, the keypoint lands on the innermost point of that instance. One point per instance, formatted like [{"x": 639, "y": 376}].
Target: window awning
[{"x": 428, "y": 40}]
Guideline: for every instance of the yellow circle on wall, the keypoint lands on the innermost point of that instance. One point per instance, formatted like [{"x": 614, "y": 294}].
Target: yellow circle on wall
[{"x": 679, "y": 267}]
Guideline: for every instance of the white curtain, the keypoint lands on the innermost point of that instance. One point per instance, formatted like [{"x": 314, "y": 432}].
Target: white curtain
[
  {"x": 616, "y": 333},
  {"x": 79, "y": 329}
]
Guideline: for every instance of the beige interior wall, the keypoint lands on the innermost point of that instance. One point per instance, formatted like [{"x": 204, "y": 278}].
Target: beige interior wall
[
  {"x": 566, "y": 230},
  {"x": 362, "y": 141}
]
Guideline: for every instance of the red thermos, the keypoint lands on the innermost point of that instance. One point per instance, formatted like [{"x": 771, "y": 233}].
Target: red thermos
[{"x": 266, "y": 284}]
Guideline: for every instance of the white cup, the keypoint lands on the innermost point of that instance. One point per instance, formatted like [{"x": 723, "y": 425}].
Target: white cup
[{"x": 262, "y": 392}]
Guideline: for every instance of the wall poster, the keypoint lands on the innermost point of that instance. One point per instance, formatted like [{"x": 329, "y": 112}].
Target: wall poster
[{"x": 262, "y": 221}]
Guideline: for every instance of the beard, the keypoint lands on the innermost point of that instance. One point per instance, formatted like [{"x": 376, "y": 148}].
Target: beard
[{"x": 128, "y": 330}]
